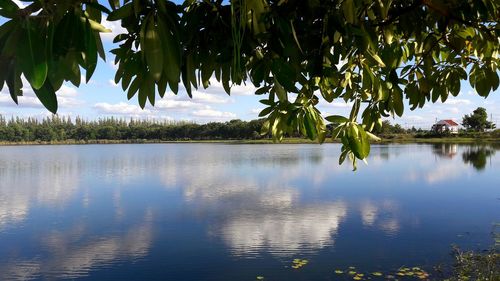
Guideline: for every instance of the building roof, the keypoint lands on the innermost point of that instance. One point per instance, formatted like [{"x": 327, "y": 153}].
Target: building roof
[{"x": 448, "y": 122}]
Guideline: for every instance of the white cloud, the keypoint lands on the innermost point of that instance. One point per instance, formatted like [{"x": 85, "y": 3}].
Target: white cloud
[
  {"x": 337, "y": 104},
  {"x": 219, "y": 98},
  {"x": 455, "y": 101},
  {"x": 211, "y": 113},
  {"x": 66, "y": 97},
  {"x": 414, "y": 118},
  {"x": 121, "y": 108},
  {"x": 179, "y": 104},
  {"x": 112, "y": 83},
  {"x": 27, "y": 100},
  {"x": 111, "y": 63},
  {"x": 115, "y": 27},
  {"x": 255, "y": 111},
  {"x": 130, "y": 110},
  {"x": 239, "y": 90}
]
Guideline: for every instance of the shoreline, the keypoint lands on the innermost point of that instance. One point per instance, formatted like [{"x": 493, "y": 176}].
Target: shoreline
[{"x": 456, "y": 140}]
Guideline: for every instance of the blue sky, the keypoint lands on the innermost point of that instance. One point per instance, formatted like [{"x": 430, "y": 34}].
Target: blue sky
[{"x": 102, "y": 98}]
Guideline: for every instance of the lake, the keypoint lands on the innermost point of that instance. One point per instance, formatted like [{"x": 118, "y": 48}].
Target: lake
[{"x": 236, "y": 212}]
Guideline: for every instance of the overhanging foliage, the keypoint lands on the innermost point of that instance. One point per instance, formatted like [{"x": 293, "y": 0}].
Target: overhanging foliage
[{"x": 378, "y": 55}]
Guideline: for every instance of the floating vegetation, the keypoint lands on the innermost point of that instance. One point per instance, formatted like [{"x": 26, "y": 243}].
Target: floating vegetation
[
  {"x": 298, "y": 263},
  {"x": 405, "y": 272},
  {"x": 358, "y": 276},
  {"x": 484, "y": 266},
  {"x": 470, "y": 265}
]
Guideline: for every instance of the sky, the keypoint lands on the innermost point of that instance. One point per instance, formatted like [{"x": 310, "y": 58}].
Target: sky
[{"x": 102, "y": 98}]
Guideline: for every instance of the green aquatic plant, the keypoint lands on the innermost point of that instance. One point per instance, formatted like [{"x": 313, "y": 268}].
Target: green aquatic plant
[
  {"x": 408, "y": 273},
  {"x": 298, "y": 263},
  {"x": 479, "y": 266}
]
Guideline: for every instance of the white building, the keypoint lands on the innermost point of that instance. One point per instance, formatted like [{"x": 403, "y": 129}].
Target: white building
[{"x": 444, "y": 126}]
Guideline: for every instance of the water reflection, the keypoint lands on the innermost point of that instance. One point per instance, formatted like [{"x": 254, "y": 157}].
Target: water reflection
[
  {"x": 53, "y": 181},
  {"x": 383, "y": 215},
  {"x": 70, "y": 212},
  {"x": 448, "y": 150},
  {"x": 478, "y": 156},
  {"x": 284, "y": 231},
  {"x": 70, "y": 258}
]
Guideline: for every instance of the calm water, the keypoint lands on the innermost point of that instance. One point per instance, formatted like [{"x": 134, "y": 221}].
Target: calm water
[{"x": 235, "y": 212}]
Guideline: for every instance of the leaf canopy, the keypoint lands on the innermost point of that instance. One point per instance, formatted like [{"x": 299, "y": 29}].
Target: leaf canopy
[{"x": 381, "y": 56}]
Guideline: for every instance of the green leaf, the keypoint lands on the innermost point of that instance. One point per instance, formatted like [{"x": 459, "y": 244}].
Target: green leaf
[
  {"x": 375, "y": 57},
  {"x": 96, "y": 26},
  {"x": 493, "y": 79},
  {"x": 358, "y": 141},
  {"x": 343, "y": 156},
  {"x": 295, "y": 36},
  {"x": 397, "y": 97},
  {"x": 114, "y": 3},
  {"x": 148, "y": 87},
  {"x": 310, "y": 126},
  {"x": 33, "y": 62},
  {"x": 265, "y": 111},
  {"x": 134, "y": 87},
  {"x": 143, "y": 95},
  {"x": 284, "y": 74},
  {"x": 8, "y": 9},
  {"x": 365, "y": 143},
  {"x": 13, "y": 81},
  {"x": 349, "y": 11},
  {"x": 372, "y": 136},
  {"x": 90, "y": 52},
  {"x": 153, "y": 49},
  {"x": 47, "y": 96},
  {"x": 264, "y": 130},
  {"x": 280, "y": 91},
  {"x": 172, "y": 58},
  {"x": 337, "y": 119},
  {"x": 121, "y": 13}
]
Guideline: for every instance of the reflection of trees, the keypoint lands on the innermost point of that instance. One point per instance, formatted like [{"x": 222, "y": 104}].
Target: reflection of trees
[
  {"x": 448, "y": 150},
  {"x": 477, "y": 156}
]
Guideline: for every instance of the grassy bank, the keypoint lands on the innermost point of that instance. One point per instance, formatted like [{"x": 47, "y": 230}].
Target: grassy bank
[
  {"x": 142, "y": 141},
  {"x": 386, "y": 140}
]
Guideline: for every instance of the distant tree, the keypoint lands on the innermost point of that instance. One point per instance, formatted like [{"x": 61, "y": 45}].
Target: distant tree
[
  {"x": 388, "y": 128},
  {"x": 58, "y": 129},
  {"x": 477, "y": 121}
]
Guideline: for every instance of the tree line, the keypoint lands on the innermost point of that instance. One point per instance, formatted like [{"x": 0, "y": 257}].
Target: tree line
[
  {"x": 56, "y": 128},
  {"x": 64, "y": 128}
]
